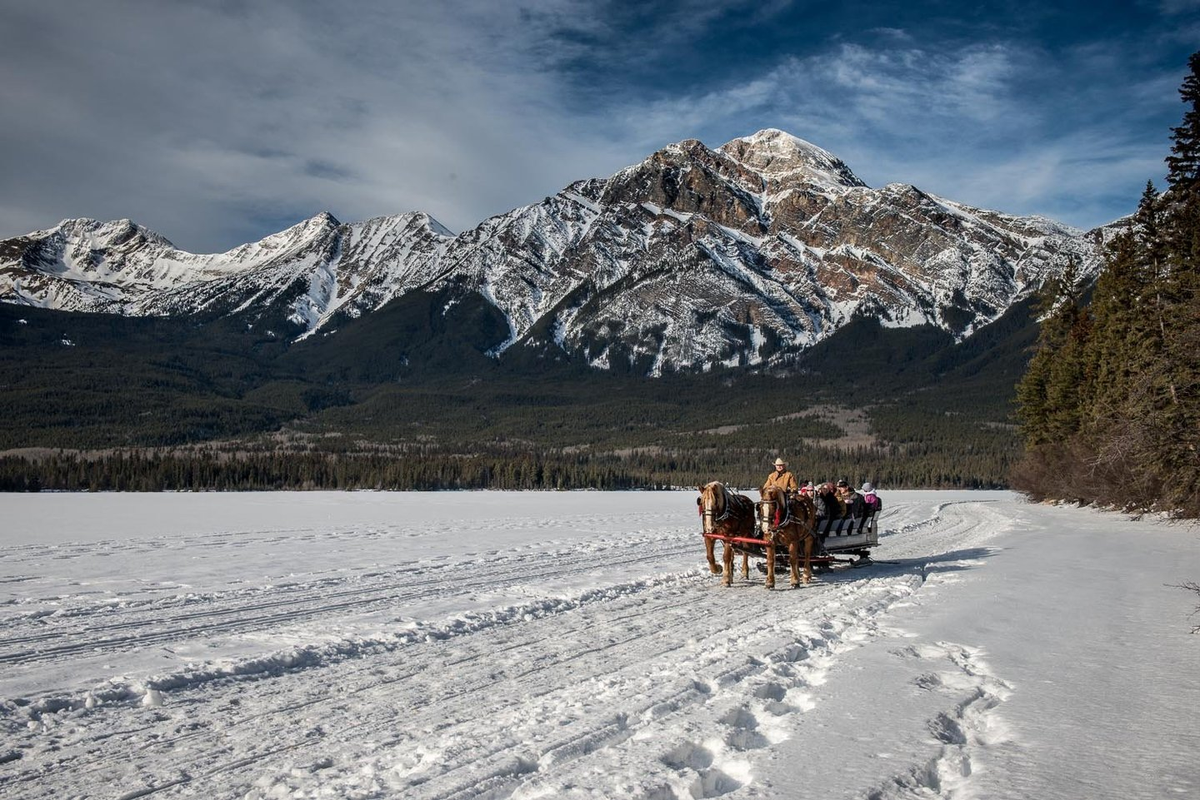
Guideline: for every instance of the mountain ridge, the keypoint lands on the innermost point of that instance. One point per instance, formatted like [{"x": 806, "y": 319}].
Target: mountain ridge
[{"x": 743, "y": 255}]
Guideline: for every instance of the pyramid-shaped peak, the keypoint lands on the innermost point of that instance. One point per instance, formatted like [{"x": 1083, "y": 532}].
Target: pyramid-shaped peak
[
  {"x": 316, "y": 225},
  {"x": 778, "y": 154},
  {"x": 322, "y": 219}
]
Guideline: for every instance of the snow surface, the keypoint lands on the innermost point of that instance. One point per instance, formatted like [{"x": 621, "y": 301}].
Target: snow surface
[{"x": 371, "y": 645}]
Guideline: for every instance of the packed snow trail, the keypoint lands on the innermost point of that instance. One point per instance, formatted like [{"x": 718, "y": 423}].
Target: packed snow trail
[{"x": 498, "y": 645}]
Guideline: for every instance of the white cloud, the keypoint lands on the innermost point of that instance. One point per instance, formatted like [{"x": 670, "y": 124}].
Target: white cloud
[
  {"x": 216, "y": 122},
  {"x": 994, "y": 125},
  {"x": 203, "y": 121}
]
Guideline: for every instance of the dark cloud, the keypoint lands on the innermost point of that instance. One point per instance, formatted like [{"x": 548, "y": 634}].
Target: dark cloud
[{"x": 218, "y": 122}]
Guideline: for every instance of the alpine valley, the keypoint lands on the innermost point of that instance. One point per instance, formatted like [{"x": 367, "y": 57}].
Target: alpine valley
[{"x": 692, "y": 312}]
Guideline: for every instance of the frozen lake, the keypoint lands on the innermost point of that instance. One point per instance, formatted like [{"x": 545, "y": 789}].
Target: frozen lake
[{"x": 454, "y": 645}]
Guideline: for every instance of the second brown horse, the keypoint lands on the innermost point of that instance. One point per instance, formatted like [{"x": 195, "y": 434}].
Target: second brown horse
[{"x": 787, "y": 522}]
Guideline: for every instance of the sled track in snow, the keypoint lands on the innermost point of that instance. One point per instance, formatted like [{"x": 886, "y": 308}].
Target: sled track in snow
[
  {"x": 684, "y": 677},
  {"x": 158, "y": 624},
  {"x": 490, "y": 664}
]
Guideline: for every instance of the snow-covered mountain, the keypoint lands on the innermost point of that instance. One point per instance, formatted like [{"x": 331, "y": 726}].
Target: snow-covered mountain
[
  {"x": 693, "y": 257},
  {"x": 309, "y": 271}
]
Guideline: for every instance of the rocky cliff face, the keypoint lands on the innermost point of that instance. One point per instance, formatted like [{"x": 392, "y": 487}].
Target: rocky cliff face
[
  {"x": 694, "y": 257},
  {"x": 743, "y": 254}
]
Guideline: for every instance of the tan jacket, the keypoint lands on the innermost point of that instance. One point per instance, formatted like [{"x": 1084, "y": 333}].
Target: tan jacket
[{"x": 784, "y": 480}]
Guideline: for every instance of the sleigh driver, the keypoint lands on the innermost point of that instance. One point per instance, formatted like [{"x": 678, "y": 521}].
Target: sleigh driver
[{"x": 782, "y": 479}]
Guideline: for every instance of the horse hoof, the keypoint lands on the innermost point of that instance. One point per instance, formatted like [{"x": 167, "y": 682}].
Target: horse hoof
[
  {"x": 770, "y": 586},
  {"x": 795, "y": 585}
]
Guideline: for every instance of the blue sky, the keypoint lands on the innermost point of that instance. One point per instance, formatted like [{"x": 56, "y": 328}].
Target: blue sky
[{"x": 219, "y": 122}]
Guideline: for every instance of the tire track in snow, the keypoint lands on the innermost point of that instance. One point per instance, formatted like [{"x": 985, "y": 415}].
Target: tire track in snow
[
  {"x": 457, "y": 701},
  {"x": 430, "y": 661}
]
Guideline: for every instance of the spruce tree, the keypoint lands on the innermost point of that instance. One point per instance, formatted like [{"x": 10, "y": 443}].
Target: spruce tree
[
  {"x": 1179, "y": 420},
  {"x": 1048, "y": 396},
  {"x": 1183, "y": 165}
]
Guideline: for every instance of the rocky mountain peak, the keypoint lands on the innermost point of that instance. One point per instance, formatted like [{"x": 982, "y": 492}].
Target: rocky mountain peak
[
  {"x": 784, "y": 158},
  {"x": 94, "y": 234},
  {"x": 318, "y": 223},
  {"x": 693, "y": 258}
]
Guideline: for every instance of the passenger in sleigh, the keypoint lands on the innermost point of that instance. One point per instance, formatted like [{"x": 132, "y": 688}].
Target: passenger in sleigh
[
  {"x": 829, "y": 509},
  {"x": 852, "y": 501},
  {"x": 871, "y": 501}
]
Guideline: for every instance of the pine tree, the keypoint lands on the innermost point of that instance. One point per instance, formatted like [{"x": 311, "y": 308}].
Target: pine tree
[
  {"x": 1183, "y": 164},
  {"x": 1125, "y": 347},
  {"x": 1177, "y": 416},
  {"x": 1049, "y": 395}
]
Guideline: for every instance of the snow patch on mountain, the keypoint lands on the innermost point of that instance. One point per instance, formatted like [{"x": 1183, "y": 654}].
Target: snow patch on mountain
[{"x": 783, "y": 157}]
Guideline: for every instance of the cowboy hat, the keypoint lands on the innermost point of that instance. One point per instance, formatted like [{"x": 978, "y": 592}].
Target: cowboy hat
[{"x": 779, "y": 462}]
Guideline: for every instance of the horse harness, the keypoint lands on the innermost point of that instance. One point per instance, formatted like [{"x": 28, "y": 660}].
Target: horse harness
[
  {"x": 708, "y": 513},
  {"x": 786, "y": 518},
  {"x": 787, "y": 512}
]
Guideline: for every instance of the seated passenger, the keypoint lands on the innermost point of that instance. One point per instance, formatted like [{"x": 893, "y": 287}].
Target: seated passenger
[
  {"x": 828, "y": 512},
  {"x": 808, "y": 490},
  {"x": 828, "y": 507},
  {"x": 851, "y": 499},
  {"x": 871, "y": 500}
]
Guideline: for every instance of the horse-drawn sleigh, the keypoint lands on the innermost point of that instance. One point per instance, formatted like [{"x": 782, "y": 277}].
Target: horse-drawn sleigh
[{"x": 781, "y": 525}]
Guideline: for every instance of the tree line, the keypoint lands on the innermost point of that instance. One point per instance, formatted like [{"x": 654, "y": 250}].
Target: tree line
[
  {"x": 1110, "y": 403},
  {"x": 495, "y": 466}
]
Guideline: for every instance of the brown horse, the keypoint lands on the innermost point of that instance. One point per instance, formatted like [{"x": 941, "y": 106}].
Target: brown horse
[
  {"x": 789, "y": 522},
  {"x": 729, "y": 514}
]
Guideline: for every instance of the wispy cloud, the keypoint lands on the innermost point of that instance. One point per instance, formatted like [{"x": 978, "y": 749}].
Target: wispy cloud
[
  {"x": 208, "y": 118},
  {"x": 217, "y": 121},
  {"x": 1178, "y": 6},
  {"x": 998, "y": 124}
]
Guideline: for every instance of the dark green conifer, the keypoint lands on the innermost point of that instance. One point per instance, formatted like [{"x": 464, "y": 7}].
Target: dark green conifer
[
  {"x": 1048, "y": 396},
  {"x": 1183, "y": 165}
]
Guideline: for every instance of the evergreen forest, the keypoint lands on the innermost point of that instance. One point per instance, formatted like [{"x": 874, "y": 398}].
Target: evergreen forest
[
  {"x": 1110, "y": 404},
  {"x": 140, "y": 405}
]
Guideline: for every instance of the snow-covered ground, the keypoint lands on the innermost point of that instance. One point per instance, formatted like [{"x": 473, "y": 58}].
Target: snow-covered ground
[{"x": 330, "y": 645}]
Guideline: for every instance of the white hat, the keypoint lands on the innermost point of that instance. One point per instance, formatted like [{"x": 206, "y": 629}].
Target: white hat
[
  {"x": 779, "y": 462},
  {"x": 867, "y": 487}
]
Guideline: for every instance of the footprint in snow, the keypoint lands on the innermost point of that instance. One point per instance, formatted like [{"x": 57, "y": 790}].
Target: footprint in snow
[{"x": 688, "y": 755}]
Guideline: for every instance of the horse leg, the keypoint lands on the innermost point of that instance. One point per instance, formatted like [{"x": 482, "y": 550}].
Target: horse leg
[
  {"x": 727, "y": 560},
  {"x": 794, "y": 561},
  {"x": 745, "y": 566},
  {"x": 809, "y": 541},
  {"x": 709, "y": 544},
  {"x": 770, "y": 564}
]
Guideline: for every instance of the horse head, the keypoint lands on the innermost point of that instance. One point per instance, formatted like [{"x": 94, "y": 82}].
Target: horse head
[
  {"x": 712, "y": 503},
  {"x": 772, "y": 509}
]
